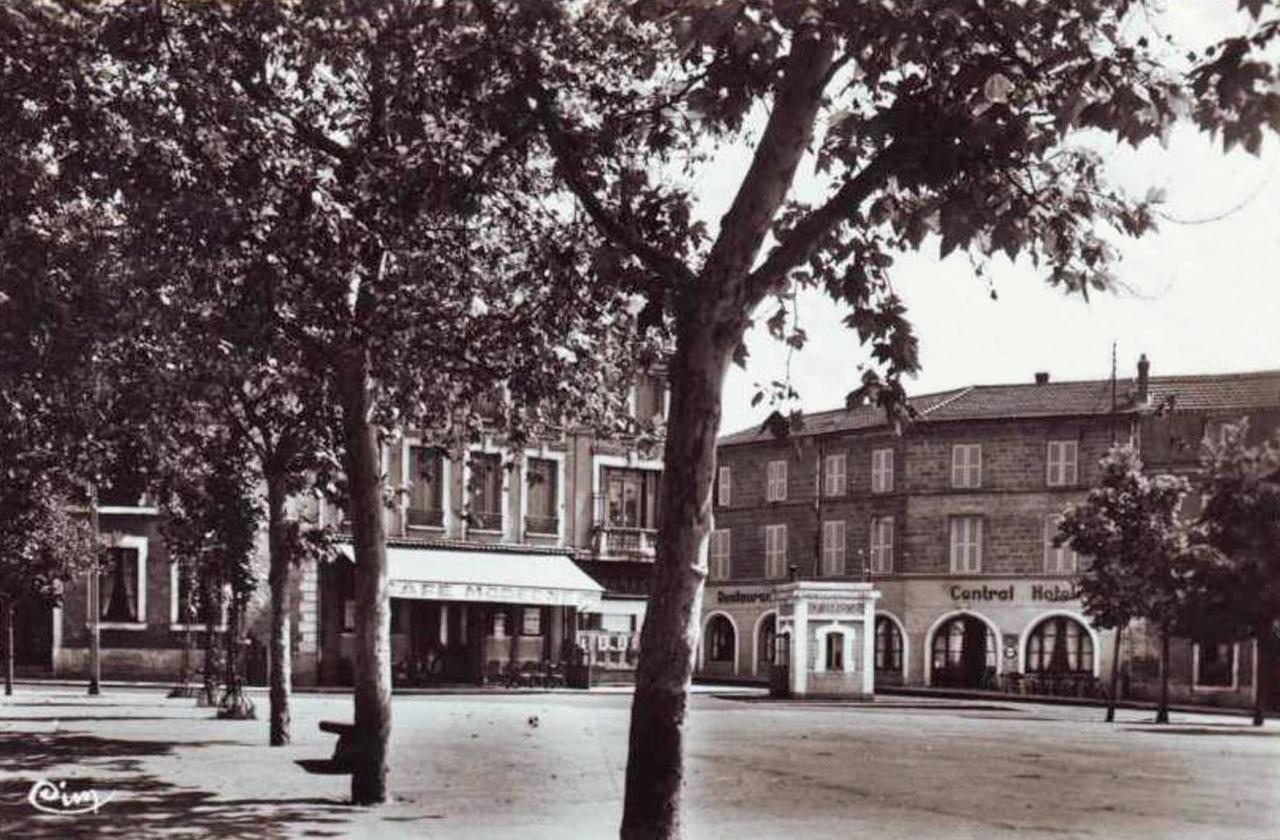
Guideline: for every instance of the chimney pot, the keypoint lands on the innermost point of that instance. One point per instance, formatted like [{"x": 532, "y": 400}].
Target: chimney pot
[
  {"x": 1144, "y": 377},
  {"x": 1042, "y": 377}
]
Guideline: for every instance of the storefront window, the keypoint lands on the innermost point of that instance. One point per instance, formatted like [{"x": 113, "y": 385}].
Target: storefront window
[
  {"x": 531, "y": 622},
  {"x": 888, "y": 645},
  {"x": 720, "y": 640},
  {"x": 1059, "y": 645},
  {"x": 768, "y": 639}
]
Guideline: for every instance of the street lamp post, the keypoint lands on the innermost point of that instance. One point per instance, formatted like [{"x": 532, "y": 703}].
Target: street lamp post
[{"x": 95, "y": 602}]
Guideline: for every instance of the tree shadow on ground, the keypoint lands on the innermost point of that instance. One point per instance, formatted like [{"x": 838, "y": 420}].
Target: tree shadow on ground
[
  {"x": 1230, "y": 730},
  {"x": 34, "y": 752},
  {"x": 145, "y": 807},
  {"x": 86, "y": 718},
  {"x": 142, "y": 806}
]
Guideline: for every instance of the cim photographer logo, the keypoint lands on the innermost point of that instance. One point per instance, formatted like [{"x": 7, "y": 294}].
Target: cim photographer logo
[{"x": 56, "y": 798}]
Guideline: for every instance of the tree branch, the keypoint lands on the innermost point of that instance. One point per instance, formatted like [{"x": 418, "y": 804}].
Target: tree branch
[
  {"x": 803, "y": 240},
  {"x": 570, "y": 163},
  {"x": 767, "y": 181}
]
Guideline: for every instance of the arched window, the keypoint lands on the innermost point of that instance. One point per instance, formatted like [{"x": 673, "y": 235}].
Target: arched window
[
  {"x": 888, "y": 645},
  {"x": 1059, "y": 645},
  {"x": 964, "y": 653},
  {"x": 766, "y": 643},
  {"x": 835, "y": 651},
  {"x": 720, "y": 640}
]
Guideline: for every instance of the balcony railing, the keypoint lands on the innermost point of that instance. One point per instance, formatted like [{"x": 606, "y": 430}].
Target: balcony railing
[
  {"x": 425, "y": 518},
  {"x": 623, "y": 535},
  {"x": 542, "y": 525}
]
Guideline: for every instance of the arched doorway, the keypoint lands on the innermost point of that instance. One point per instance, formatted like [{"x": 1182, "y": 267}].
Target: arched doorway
[
  {"x": 766, "y": 644},
  {"x": 889, "y": 651},
  {"x": 1060, "y": 646},
  {"x": 963, "y": 653},
  {"x": 719, "y": 646}
]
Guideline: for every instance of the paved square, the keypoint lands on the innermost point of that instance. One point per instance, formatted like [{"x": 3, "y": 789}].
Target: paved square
[{"x": 551, "y": 766}]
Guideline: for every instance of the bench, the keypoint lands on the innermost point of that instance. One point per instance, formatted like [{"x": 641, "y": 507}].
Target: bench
[{"x": 344, "y": 753}]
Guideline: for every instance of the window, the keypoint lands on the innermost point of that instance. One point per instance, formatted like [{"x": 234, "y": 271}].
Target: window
[
  {"x": 542, "y": 516},
  {"x": 966, "y": 465},
  {"x": 1059, "y": 645},
  {"x": 888, "y": 645},
  {"x": 835, "y": 652},
  {"x": 631, "y": 497},
  {"x": 426, "y": 487},
  {"x": 775, "y": 551},
  {"x": 833, "y": 547},
  {"x": 720, "y": 640},
  {"x": 767, "y": 643},
  {"x": 349, "y": 615},
  {"x": 881, "y": 470},
  {"x": 187, "y": 600},
  {"x": 724, "y": 487},
  {"x": 720, "y": 554},
  {"x": 881, "y": 545},
  {"x": 1215, "y": 664},
  {"x": 1060, "y": 560},
  {"x": 486, "y": 491},
  {"x": 966, "y": 544},
  {"x": 776, "y": 490},
  {"x": 500, "y": 624},
  {"x": 122, "y": 594},
  {"x": 651, "y": 392},
  {"x": 531, "y": 621},
  {"x": 1062, "y": 463},
  {"x": 833, "y": 476}
]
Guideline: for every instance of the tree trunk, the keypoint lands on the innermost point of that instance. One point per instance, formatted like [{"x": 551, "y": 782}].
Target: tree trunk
[
  {"x": 1113, "y": 695},
  {"x": 8, "y": 648},
  {"x": 372, "y": 676},
  {"x": 281, "y": 677},
  {"x": 1262, "y": 672},
  {"x": 655, "y": 764},
  {"x": 1162, "y": 713}
]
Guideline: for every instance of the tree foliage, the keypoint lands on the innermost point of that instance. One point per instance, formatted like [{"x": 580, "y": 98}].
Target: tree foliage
[{"x": 1238, "y": 579}]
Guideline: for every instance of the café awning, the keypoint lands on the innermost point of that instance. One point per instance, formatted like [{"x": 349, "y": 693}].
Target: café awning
[{"x": 504, "y": 577}]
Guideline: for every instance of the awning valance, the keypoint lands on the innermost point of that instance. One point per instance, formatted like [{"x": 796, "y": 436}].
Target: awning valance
[{"x": 441, "y": 574}]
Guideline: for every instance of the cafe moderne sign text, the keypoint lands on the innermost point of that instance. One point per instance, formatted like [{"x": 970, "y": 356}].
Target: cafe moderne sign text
[{"x": 1047, "y": 592}]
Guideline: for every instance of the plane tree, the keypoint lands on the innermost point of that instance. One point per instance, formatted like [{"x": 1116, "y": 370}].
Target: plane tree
[
  {"x": 1236, "y": 581},
  {"x": 950, "y": 124},
  {"x": 1135, "y": 554},
  {"x": 339, "y": 164}
]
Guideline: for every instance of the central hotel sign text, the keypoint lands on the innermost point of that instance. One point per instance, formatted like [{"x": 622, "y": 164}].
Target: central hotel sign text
[{"x": 1052, "y": 593}]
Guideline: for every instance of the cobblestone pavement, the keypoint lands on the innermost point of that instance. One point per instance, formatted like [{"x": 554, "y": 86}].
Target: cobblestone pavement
[{"x": 551, "y": 766}]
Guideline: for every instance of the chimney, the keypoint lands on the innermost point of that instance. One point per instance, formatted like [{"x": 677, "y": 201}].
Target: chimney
[
  {"x": 1144, "y": 370},
  {"x": 1042, "y": 377}
]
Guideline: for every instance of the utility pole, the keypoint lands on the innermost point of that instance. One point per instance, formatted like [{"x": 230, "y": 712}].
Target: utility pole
[{"x": 95, "y": 601}]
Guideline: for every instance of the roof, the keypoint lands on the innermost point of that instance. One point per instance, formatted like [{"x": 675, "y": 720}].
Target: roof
[{"x": 1255, "y": 390}]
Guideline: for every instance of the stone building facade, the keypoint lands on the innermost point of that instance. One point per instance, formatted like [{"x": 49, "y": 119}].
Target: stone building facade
[{"x": 952, "y": 521}]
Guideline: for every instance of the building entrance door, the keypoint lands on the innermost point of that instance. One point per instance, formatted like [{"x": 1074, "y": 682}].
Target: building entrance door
[{"x": 964, "y": 654}]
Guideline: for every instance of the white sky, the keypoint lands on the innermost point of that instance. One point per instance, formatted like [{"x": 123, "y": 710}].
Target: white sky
[{"x": 1202, "y": 298}]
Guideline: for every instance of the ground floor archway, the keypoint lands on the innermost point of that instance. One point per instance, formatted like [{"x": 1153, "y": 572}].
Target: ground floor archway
[{"x": 963, "y": 653}]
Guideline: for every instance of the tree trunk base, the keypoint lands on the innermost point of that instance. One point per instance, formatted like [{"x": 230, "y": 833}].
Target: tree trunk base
[{"x": 236, "y": 706}]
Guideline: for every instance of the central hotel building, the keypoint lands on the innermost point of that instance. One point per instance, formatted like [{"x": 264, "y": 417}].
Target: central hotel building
[{"x": 952, "y": 523}]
